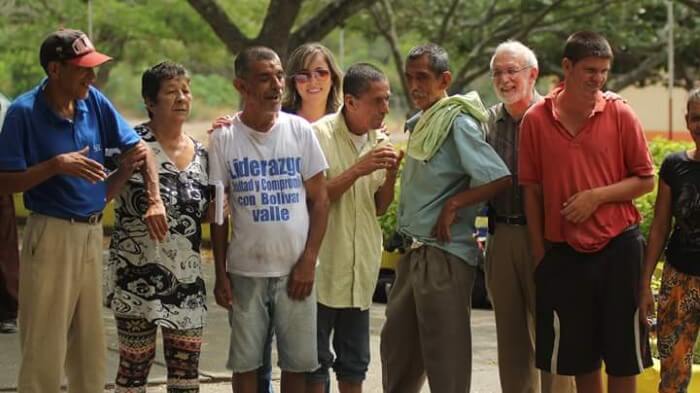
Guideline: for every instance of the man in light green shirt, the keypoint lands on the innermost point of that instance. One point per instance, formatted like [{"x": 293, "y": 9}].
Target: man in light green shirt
[{"x": 360, "y": 181}]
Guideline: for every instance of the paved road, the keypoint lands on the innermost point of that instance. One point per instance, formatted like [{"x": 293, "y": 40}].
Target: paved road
[{"x": 216, "y": 378}]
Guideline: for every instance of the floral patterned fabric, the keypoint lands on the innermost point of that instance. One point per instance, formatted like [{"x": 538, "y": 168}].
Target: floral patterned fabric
[
  {"x": 677, "y": 331},
  {"x": 160, "y": 282}
]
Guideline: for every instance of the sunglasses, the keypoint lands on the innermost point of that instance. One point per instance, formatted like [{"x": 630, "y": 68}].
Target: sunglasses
[{"x": 318, "y": 74}]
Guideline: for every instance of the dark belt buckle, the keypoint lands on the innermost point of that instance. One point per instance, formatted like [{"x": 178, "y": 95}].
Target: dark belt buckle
[
  {"x": 511, "y": 220},
  {"x": 92, "y": 219}
]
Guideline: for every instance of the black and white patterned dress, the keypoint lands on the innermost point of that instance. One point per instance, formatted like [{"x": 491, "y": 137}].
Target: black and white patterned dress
[{"x": 161, "y": 282}]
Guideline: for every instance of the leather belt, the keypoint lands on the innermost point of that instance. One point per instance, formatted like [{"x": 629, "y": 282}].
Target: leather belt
[
  {"x": 91, "y": 219},
  {"x": 511, "y": 220}
]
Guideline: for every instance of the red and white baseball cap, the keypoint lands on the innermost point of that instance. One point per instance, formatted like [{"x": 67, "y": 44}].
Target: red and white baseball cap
[{"x": 72, "y": 46}]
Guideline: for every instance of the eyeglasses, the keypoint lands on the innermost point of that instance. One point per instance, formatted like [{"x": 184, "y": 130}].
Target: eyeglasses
[
  {"x": 305, "y": 76},
  {"x": 510, "y": 72}
]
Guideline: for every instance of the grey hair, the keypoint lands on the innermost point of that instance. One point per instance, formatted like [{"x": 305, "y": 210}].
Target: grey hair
[
  {"x": 438, "y": 60},
  {"x": 517, "y": 48},
  {"x": 249, "y": 55}
]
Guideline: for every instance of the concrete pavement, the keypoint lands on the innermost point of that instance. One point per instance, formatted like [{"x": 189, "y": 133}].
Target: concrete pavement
[{"x": 216, "y": 378}]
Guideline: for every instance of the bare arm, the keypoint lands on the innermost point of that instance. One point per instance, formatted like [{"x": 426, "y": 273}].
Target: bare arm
[
  {"x": 72, "y": 164},
  {"x": 128, "y": 162},
  {"x": 583, "y": 204},
  {"x": 155, "y": 215},
  {"x": 468, "y": 197},
  {"x": 660, "y": 228},
  {"x": 219, "y": 242},
  {"x": 534, "y": 211},
  {"x": 385, "y": 195},
  {"x": 302, "y": 276}
]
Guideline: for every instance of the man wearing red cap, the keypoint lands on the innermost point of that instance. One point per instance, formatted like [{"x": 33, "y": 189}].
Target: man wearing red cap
[{"x": 52, "y": 147}]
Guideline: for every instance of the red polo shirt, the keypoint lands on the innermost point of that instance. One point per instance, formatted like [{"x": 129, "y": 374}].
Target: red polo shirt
[{"x": 609, "y": 148}]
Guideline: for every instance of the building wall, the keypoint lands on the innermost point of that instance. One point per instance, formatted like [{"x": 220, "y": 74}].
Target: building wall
[{"x": 651, "y": 104}]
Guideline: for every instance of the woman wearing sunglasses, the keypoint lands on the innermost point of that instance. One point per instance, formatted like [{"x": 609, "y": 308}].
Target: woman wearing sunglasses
[{"x": 313, "y": 86}]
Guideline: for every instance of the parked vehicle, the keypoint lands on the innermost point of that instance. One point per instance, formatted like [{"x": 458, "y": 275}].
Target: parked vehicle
[{"x": 395, "y": 247}]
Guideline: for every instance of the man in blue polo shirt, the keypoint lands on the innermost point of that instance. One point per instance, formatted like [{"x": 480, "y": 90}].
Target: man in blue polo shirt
[{"x": 52, "y": 147}]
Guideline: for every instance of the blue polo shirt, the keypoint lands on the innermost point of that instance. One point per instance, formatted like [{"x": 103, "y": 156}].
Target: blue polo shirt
[
  {"x": 463, "y": 161},
  {"x": 33, "y": 133}
]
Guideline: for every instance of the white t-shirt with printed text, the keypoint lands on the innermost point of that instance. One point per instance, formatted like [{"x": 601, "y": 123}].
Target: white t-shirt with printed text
[{"x": 264, "y": 173}]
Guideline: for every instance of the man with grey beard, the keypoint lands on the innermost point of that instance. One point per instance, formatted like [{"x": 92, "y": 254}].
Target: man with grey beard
[{"x": 509, "y": 268}]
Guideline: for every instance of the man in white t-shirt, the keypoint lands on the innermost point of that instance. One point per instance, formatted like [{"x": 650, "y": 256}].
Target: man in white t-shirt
[{"x": 272, "y": 167}]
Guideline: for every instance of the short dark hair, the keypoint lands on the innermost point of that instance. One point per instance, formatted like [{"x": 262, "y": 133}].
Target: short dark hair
[
  {"x": 154, "y": 76},
  {"x": 358, "y": 78},
  {"x": 249, "y": 55},
  {"x": 693, "y": 97},
  {"x": 437, "y": 57},
  {"x": 584, "y": 44}
]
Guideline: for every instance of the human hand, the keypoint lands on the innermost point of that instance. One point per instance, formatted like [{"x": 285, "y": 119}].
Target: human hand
[
  {"x": 78, "y": 164},
  {"x": 580, "y": 206},
  {"x": 537, "y": 255},
  {"x": 392, "y": 171},
  {"x": 646, "y": 305},
  {"x": 133, "y": 159},
  {"x": 301, "y": 279},
  {"x": 382, "y": 157},
  {"x": 156, "y": 220},
  {"x": 222, "y": 291},
  {"x": 221, "y": 121},
  {"x": 441, "y": 231}
]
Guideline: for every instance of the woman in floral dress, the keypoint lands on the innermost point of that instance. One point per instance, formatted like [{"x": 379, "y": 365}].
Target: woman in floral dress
[{"x": 152, "y": 283}]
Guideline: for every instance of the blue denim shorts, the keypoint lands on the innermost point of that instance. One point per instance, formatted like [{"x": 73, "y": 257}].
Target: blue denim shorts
[{"x": 261, "y": 303}]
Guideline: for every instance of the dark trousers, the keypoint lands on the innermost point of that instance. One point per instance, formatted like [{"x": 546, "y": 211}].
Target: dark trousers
[{"x": 9, "y": 259}]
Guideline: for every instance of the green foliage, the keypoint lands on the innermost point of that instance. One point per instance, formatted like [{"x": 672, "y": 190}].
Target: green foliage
[
  {"x": 213, "y": 90},
  {"x": 388, "y": 221}
]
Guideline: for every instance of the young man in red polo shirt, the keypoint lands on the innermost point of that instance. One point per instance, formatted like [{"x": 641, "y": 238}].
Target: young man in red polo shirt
[{"x": 583, "y": 159}]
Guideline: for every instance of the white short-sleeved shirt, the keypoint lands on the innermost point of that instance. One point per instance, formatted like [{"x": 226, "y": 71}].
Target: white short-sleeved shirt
[{"x": 264, "y": 173}]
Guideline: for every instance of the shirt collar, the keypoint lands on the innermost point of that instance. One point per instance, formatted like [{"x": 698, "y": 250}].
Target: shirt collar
[
  {"x": 601, "y": 100},
  {"x": 502, "y": 113}
]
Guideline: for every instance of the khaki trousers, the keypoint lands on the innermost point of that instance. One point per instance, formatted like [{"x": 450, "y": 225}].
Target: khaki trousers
[
  {"x": 510, "y": 282},
  {"x": 427, "y": 330},
  {"x": 60, "y": 307}
]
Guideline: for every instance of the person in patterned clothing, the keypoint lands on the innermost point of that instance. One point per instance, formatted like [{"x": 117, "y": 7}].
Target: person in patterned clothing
[
  {"x": 677, "y": 203},
  {"x": 150, "y": 283}
]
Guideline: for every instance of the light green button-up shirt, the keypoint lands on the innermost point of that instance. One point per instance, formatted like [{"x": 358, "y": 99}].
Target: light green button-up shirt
[{"x": 351, "y": 250}]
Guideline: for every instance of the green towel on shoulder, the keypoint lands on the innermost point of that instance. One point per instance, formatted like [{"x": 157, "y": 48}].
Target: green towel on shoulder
[{"x": 435, "y": 124}]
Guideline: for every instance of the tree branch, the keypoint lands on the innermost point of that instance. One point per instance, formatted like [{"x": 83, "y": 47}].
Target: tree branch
[
  {"x": 220, "y": 23},
  {"x": 645, "y": 68},
  {"x": 278, "y": 24},
  {"x": 330, "y": 17},
  {"x": 383, "y": 16},
  {"x": 446, "y": 22},
  {"x": 694, "y": 5}
]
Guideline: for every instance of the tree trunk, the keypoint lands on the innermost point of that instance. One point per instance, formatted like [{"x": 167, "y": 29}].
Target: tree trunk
[{"x": 382, "y": 14}]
